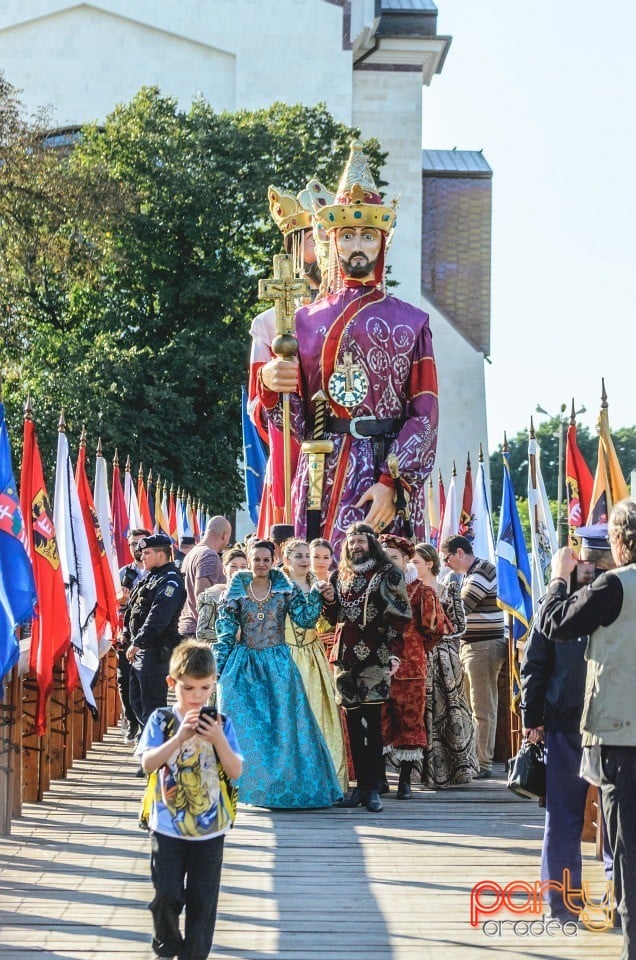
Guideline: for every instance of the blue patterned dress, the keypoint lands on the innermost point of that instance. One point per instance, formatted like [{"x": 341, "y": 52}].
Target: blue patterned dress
[{"x": 287, "y": 762}]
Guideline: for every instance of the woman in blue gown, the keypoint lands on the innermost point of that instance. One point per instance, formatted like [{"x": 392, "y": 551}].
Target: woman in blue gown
[{"x": 287, "y": 762}]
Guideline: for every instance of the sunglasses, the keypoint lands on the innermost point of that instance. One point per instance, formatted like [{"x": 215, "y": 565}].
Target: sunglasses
[{"x": 447, "y": 557}]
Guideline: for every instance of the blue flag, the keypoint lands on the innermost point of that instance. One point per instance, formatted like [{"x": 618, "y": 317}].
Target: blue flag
[
  {"x": 514, "y": 591},
  {"x": 255, "y": 459},
  {"x": 17, "y": 586}
]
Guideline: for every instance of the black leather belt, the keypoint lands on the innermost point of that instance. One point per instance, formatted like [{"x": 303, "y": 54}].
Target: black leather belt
[{"x": 363, "y": 427}]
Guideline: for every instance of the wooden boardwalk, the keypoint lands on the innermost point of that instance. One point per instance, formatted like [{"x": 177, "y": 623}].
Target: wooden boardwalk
[{"x": 322, "y": 885}]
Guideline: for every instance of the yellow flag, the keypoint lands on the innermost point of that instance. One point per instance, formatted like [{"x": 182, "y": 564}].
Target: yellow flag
[{"x": 609, "y": 482}]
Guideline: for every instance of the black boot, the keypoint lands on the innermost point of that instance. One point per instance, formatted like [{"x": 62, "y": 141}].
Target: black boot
[
  {"x": 356, "y": 798},
  {"x": 383, "y": 783},
  {"x": 374, "y": 804},
  {"x": 404, "y": 791}
]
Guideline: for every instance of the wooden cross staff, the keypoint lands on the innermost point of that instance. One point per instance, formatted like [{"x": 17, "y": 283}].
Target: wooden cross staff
[{"x": 284, "y": 289}]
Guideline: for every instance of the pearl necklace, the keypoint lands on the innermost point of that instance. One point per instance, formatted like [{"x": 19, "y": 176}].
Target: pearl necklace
[{"x": 259, "y": 602}]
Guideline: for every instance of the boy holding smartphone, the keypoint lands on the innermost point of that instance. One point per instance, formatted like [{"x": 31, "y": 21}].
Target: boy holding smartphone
[{"x": 184, "y": 745}]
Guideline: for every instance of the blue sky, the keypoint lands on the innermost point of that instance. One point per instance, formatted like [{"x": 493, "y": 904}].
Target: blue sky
[{"x": 548, "y": 91}]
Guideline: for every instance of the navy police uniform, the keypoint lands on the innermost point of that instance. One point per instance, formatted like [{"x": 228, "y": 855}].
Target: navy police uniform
[{"x": 150, "y": 623}]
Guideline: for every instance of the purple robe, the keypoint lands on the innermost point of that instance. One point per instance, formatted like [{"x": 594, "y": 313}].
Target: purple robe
[{"x": 391, "y": 341}]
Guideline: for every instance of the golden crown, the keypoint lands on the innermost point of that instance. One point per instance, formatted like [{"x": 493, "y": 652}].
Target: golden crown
[
  {"x": 288, "y": 212},
  {"x": 357, "y": 202}
]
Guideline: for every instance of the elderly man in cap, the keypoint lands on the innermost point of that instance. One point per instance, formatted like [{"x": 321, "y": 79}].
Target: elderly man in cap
[
  {"x": 150, "y": 623},
  {"x": 606, "y": 610},
  {"x": 552, "y": 697}
]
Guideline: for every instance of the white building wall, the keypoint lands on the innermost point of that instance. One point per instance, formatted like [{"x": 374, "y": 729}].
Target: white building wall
[
  {"x": 83, "y": 58},
  {"x": 462, "y": 391},
  {"x": 387, "y": 105}
]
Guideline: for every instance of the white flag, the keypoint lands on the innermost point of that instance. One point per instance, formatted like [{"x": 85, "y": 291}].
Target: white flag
[
  {"x": 542, "y": 532},
  {"x": 104, "y": 516},
  {"x": 77, "y": 569},
  {"x": 130, "y": 499},
  {"x": 450, "y": 520},
  {"x": 484, "y": 540}
]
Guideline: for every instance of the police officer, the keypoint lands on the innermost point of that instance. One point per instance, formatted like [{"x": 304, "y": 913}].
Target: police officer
[
  {"x": 150, "y": 623},
  {"x": 128, "y": 577}
]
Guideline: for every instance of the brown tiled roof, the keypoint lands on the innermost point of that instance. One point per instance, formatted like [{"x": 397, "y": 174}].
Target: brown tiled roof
[{"x": 456, "y": 234}]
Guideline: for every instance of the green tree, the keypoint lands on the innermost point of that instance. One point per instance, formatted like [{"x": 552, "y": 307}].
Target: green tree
[{"x": 140, "y": 328}]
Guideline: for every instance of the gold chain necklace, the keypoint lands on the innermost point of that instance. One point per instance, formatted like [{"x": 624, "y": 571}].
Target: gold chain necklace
[{"x": 259, "y": 601}]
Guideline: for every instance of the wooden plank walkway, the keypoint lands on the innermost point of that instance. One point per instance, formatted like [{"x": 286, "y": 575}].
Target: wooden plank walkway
[{"x": 322, "y": 885}]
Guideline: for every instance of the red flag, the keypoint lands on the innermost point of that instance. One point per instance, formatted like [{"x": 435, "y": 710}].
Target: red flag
[
  {"x": 466, "y": 515},
  {"x": 51, "y": 630},
  {"x": 195, "y": 524},
  {"x": 142, "y": 500},
  {"x": 441, "y": 498},
  {"x": 172, "y": 516},
  {"x": 121, "y": 524},
  {"x": 107, "y": 606},
  {"x": 579, "y": 485}
]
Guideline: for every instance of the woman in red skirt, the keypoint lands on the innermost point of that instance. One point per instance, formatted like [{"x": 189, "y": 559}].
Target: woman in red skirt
[{"x": 403, "y": 727}]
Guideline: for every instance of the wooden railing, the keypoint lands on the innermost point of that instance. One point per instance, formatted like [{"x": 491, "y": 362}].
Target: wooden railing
[{"x": 29, "y": 762}]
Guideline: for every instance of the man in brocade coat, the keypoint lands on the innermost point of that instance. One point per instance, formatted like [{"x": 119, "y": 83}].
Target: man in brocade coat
[
  {"x": 371, "y": 354},
  {"x": 367, "y": 602}
]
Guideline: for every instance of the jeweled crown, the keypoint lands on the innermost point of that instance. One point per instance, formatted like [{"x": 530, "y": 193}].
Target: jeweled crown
[
  {"x": 289, "y": 212},
  {"x": 357, "y": 202}
]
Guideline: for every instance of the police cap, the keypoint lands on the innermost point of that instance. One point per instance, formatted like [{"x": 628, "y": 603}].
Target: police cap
[
  {"x": 157, "y": 541},
  {"x": 594, "y": 537}
]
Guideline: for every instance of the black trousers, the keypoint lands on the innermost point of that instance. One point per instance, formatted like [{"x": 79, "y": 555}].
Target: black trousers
[
  {"x": 185, "y": 873},
  {"x": 148, "y": 685},
  {"x": 618, "y": 789},
  {"x": 364, "y": 726},
  {"x": 123, "y": 682}
]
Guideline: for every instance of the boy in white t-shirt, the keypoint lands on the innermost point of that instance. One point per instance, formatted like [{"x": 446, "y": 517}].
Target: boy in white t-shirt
[{"x": 188, "y": 819}]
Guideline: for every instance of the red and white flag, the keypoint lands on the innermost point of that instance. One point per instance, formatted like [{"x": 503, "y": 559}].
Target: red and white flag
[
  {"x": 51, "y": 627},
  {"x": 77, "y": 570},
  {"x": 107, "y": 610}
]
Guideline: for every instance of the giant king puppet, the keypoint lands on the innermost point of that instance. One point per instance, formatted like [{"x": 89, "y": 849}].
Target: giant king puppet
[{"x": 363, "y": 387}]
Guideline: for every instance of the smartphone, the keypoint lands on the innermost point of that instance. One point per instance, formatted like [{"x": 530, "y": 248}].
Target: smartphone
[
  {"x": 209, "y": 712},
  {"x": 584, "y": 573}
]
